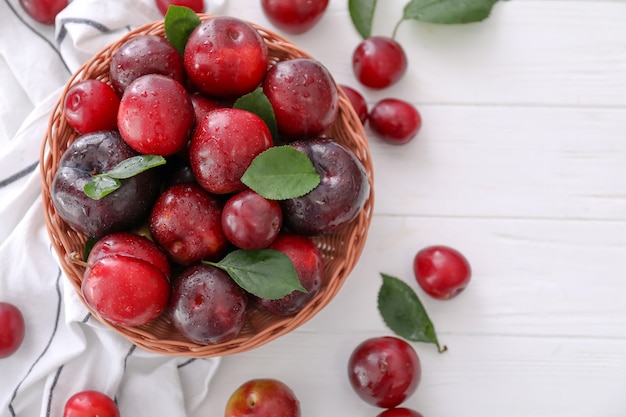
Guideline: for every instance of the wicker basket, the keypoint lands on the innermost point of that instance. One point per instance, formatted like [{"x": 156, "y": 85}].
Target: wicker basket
[{"x": 340, "y": 250}]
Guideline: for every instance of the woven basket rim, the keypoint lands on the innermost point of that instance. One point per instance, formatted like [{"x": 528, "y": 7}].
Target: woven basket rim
[{"x": 66, "y": 242}]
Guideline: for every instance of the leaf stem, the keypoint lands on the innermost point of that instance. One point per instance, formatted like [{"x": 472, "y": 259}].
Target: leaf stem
[{"x": 395, "y": 29}]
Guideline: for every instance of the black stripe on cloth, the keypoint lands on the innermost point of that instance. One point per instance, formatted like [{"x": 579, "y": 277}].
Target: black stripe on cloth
[
  {"x": 19, "y": 174},
  {"x": 130, "y": 352},
  {"x": 86, "y": 319},
  {"x": 81, "y": 21},
  {"x": 54, "y": 331},
  {"x": 182, "y": 365},
  {"x": 54, "y": 384},
  {"x": 32, "y": 29}
]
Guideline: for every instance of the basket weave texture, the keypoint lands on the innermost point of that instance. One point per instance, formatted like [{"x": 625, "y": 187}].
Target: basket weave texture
[{"x": 340, "y": 250}]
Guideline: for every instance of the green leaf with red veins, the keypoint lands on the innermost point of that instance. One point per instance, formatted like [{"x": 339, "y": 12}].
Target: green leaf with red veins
[
  {"x": 179, "y": 22},
  {"x": 362, "y": 15},
  {"x": 280, "y": 173},
  {"x": 448, "y": 11},
  {"x": 257, "y": 103},
  {"x": 266, "y": 273},
  {"x": 403, "y": 312}
]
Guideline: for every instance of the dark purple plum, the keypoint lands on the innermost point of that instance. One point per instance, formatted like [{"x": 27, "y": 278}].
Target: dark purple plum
[
  {"x": 142, "y": 55},
  {"x": 123, "y": 209},
  {"x": 207, "y": 306},
  {"x": 340, "y": 196}
]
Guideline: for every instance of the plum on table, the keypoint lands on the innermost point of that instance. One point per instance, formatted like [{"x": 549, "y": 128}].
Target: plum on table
[
  {"x": 294, "y": 16},
  {"x": 384, "y": 371},
  {"x": 263, "y": 397},
  {"x": 12, "y": 329},
  {"x": 379, "y": 62}
]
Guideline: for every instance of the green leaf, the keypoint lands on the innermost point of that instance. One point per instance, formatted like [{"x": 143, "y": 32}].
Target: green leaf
[
  {"x": 403, "y": 312},
  {"x": 179, "y": 22},
  {"x": 280, "y": 173},
  {"x": 266, "y": 273},
  {"x": 362, "y": 15},
  {"x": 448, "y": 11},
  {"x": 89, "y": 244},
  {"x": 104, "y": 184},
  {"x": 257, "y": 102},
  {"x": 100, "y": 186},
  {"x": 135, "y": 165}
]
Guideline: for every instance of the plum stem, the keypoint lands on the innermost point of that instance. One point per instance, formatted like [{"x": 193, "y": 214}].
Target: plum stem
[{"x": 75, "y": 258}]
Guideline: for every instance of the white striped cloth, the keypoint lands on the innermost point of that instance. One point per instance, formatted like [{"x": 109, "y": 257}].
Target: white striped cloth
[{"x": 65, "y": 350}]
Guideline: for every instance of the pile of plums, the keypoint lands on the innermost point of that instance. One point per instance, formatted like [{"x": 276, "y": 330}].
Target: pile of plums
[{"x": 159, "y": 229}]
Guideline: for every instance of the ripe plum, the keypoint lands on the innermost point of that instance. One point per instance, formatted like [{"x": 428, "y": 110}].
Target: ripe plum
[
  {"x": 358, "y": 102},
  {"x": 251, "y": 221},
  {"x": 43, "y": 11},
  {"x": 304, "y": 97},
  {"x": 203, "y": 104},
  {"x": 186, "y": 221},
  {"x": 441, "y": 271},
  {"x": 379, "y": 62},
  {"x": 294, "y": 16},
  {"x": 226, "y": 57},
  {"x": 12, "y": 329},
  {"x": 125, "y": 290},
  {"x": 143, "y": 55},
  {"x": 89, "y": 404},
  {"x": 395, "y": 121},
  {"x": 91, "y": 105},
  {"x": 124, "y": 209},
  {"x": 156, "y": 115},
  {"x": 263, "y": 397},
  {"x": 207, "y": 306},
  {"x": 223, "y": 146},
  {"x": 384, "y": 371},
  {"x": 132, "y": 245},
  {"x": 340, "y": 196},
  {"x": 195, "y": 5}
]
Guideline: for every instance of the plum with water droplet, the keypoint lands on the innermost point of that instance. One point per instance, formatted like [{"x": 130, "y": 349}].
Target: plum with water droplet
[{"x": 340, "y": 196}]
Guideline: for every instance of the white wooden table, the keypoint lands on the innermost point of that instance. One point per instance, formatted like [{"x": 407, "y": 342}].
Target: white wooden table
[{"x": 519, "y": 165}]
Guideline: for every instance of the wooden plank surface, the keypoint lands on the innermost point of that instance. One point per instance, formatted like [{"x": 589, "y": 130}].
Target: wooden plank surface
[{"x": 520, "y": 165}]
